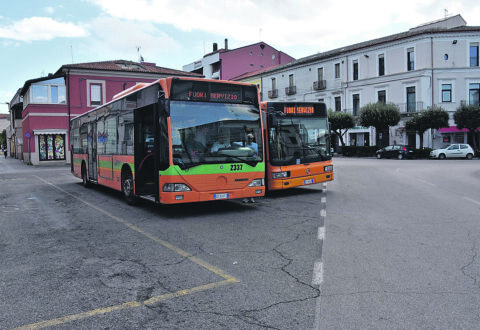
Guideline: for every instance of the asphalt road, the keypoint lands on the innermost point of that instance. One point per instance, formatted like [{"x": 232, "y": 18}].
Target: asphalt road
[
  {"x": 82, "y": 258},
  {"x": 388, "y": 245},
  {"x": 402, "y": 245}
]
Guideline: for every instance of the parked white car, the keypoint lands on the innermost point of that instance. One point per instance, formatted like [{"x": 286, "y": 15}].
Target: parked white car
[{"x": 459, "y": 150}]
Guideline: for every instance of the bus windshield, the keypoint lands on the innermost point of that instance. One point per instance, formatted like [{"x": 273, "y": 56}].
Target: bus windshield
[
  {"x": 299, "y": 140},
  {"x": 213, "y": 133}
]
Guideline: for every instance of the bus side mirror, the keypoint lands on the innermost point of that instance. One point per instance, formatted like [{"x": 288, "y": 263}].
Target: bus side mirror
[
  {"x": 272, "y": 119},
  {"x": 164, "y": 107}
]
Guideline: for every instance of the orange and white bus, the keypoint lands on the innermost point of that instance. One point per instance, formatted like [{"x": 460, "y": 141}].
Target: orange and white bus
[
  {"x": 297, "y": 144},
  {"x": 161, "y": 142}
]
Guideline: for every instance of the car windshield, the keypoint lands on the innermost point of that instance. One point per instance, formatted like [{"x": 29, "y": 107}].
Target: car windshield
[
  {"x": 299, "y": 140},
  {"x": 212, "y": 133}
]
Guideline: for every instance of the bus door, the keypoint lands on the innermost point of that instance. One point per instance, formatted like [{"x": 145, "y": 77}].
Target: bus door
[
  {"x": 146, "y": 145},
  {"x": 92, "y": 151}
]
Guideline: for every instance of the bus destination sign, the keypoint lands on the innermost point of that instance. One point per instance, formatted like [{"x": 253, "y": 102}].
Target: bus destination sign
[
  {"x": 298, "y": 109},
  {"x": 212, "y": 96},
  {"x": 206, "y": 91}
]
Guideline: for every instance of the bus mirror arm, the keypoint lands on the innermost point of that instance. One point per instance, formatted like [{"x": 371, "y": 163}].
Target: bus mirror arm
[{"x": 273, "y": 119}]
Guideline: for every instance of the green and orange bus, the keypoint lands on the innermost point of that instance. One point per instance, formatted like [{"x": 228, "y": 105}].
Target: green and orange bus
[
  {"x": 297, "y": 148},
  {"x": 161, "y": 142}
]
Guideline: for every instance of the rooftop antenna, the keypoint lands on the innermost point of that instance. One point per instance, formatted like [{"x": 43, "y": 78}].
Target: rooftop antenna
[
  {"x": 140, "y": 57},
  {"x": 446, "y": 12},
  {"x": 71, "y": 52},
  {"x": 260, "y": 34}
]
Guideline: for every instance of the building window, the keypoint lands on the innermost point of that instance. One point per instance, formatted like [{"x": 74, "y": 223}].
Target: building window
[
  {"x": 355, "y": 70},
  {"x": 337, "y": 70},
  {"x": 381, "y": 65},
  {"x": 356, "y": 103},
  {"x": 291, "y": 81},
  {"x": 319, "y": 74},
  {"x": 474, "y": 94},
  {"x": 411, "y": 100},
  {"x": 95, "y": 93},
  {"x": 473, "y": 54},
  {"x": 51, "y": 147},
  {"x": 382, "y": 96},
  {"x": 446, "y": 92},
  {"x": 338, "y": 103},
  {"x": 274, "y": 91},
  {"x": 410, "y": 59},
  {"x": 48, "y": 92}
]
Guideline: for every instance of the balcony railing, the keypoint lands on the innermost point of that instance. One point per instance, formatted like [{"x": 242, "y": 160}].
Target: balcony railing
[
  {"x": 273, "y": 93},
  {"x": 410, "y": 108},
  {"x": 320, "y": 84},
  {"x": 290, "y": 90}
]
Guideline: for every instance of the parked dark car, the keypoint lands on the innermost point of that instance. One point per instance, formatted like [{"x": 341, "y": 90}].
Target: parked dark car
[{"x": 396, "y": 151}]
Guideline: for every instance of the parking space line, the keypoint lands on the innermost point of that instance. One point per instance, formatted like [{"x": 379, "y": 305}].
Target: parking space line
[
  {"x": 133, "y": 304},
  {"x": 181, "y": 252},
  {"x": 127, "y": 305}
]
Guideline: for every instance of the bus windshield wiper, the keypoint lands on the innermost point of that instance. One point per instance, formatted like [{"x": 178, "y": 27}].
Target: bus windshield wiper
[
  {"x": 251, "y": 163},
  {"x": 184, "y": 166}
]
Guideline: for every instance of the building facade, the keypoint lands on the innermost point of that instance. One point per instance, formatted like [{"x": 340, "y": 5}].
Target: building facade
[
  {"x": 433, "y": 64},
  {"x": 226, "y": 64},
  {"x": 50, "y": 102}
]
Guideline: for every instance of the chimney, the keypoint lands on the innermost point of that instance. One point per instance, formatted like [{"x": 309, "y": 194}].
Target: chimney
[
  {"x": 215, "y": 47},
  {"x": 226, "y": 44}
]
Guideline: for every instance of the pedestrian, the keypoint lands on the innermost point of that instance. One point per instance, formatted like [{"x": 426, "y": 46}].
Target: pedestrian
[{"x": 5, "y": 152}]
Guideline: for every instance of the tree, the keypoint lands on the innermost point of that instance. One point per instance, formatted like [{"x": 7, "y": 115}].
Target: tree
[
  {"x": 381, "y": 116},
  {"x": 434, "y": 117},
  {"x": 468, "y": 116},
  {"x": 340, "y": 123}
]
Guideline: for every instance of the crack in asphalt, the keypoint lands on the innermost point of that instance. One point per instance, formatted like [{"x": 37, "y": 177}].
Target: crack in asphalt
[{"x": 474, "y": 276}]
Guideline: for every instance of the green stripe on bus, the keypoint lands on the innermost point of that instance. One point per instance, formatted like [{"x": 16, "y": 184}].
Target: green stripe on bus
[{"x": 214, "y": 169}]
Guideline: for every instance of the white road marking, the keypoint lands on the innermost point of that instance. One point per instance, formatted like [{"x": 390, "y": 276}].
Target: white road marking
[
  {"x": 426, "y": 182},
  {"x": 323, "y": 213},
  {"x": 321, "y": 233},
  {"x": 317, "y": 273},
  {"x": 472, "y": 200}
]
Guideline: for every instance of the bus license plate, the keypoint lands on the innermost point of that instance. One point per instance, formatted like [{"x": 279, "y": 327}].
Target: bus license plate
[
  {"x": 220, "y": 196},
  {"x": 309, "y": 181}
]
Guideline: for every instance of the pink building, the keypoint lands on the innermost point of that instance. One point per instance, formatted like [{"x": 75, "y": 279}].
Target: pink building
[
  {"x": 50, "y": 102},
  {"x": 225, "y": 64}
]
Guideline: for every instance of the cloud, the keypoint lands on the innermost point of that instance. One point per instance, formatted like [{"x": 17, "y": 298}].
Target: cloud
[
  {"x": 284, "y": 23},
  {"x": 40, "y": 28},
  {"x": 49, "y": 10},
  {"x": 115, "y": 38}
]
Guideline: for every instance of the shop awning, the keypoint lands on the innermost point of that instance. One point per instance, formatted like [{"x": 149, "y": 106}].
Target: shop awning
[{"x": 49, "y": 131}]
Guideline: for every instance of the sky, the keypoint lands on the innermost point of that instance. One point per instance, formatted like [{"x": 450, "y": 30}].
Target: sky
[{"x": 37, "y": 37}]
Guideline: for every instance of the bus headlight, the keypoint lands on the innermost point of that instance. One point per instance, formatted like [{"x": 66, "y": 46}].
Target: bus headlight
[
  {"x": 175, "y": 187},
  {"x": 279, "y": 175},
  {"x": 257, "y": 183},
  {"x": 328, "y": 168}
]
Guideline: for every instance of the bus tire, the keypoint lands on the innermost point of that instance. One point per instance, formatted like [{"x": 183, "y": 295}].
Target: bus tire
[
  {"x": 127, "y": 188},
  {"x": 85, "y": 181}
]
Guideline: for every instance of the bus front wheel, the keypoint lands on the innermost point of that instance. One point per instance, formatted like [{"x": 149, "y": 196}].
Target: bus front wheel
[{"x": 127, "y": 188}]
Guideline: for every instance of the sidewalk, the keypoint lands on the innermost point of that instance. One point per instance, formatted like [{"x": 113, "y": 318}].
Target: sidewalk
[{"x": 11, "y": 165}]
